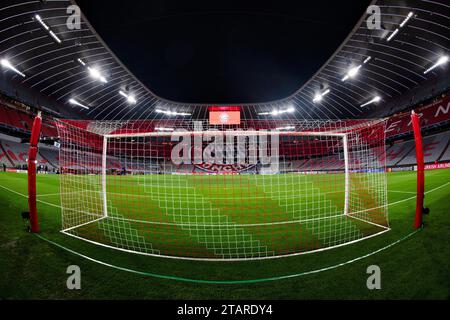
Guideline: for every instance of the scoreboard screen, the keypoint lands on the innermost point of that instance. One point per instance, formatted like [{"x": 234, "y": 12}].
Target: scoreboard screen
[{"x": 230, "y": 115}]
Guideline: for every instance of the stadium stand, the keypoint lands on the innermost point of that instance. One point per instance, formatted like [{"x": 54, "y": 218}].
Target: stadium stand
[
  {"x": 401, "y": 152},
  {"x": 433, "y": 114},
  {"x": 17, "y": 154},
  {"x": 21, "y": 121},
  {"x": 49, "y": 154},
  {"x": 397, "y": 152},
  {"x": 446, "y": 155},
  {"x": 4, "y": 160},
  {"x": 332, "y": 163},
  {"x": 434, "y": 147}
]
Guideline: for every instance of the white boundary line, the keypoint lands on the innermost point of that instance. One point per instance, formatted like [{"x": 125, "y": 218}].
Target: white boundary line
[
  {"x": 369, "y": 222},
  {"x": 83, "y": 224},
  {"x": 388, "y": 205},
  {"x": 402, "y": 192},
  {"x": 186, "y": 224},
  {"x": 226, "y": 225}
]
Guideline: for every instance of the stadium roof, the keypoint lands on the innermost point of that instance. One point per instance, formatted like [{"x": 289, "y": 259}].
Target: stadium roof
[{"x": 77, "y": 68}]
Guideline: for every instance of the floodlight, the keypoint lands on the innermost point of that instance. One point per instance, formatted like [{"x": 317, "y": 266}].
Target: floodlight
[
  {"x": 442, "y": 60},
  {"x": 374, "y": 100},
  {"x": 351, "y": 73},
  {"x": 130, "y": 98},
  {"x": 6, "y": 64},
  {"x": 393, "y": 34},
  {"x": 76, "y": 103}
]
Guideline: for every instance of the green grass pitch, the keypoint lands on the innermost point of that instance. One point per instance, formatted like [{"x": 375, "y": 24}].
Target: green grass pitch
[
  {"x": 416, "y": 267},
  {"x": 220, "y": 216}
]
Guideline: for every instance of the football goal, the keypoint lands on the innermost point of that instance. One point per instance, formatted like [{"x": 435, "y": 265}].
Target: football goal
[{"x": 191, "y": 190}]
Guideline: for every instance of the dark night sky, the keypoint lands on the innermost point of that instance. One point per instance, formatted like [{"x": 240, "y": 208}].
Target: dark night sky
[{"x": 223, "y": 51}]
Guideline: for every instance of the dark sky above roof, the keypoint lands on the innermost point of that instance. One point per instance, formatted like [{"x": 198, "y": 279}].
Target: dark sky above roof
[{"x": 223, "y": 51}]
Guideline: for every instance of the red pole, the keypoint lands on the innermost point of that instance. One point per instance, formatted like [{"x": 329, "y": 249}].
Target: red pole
[
  {"x": 32, "y": 162},
  {"x": 420, "y": 170}
]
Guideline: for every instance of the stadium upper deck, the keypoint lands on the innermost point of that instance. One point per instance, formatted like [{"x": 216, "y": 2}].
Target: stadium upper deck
[{"x": 369, "y": 75}]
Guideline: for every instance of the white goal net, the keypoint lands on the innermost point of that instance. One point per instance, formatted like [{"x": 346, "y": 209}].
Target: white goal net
[{"x": 195, "y": 191}]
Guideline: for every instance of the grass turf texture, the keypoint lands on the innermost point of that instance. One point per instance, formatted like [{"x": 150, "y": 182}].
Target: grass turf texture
[
  {"x": 218, "y": 217},
  {"x": 415, "y": 268}
]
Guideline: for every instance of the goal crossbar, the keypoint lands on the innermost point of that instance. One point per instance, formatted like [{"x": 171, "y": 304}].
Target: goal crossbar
[{"x": 226, "y": 132}]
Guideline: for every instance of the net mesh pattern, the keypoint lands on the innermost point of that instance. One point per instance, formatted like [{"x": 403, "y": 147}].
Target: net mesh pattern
[{"x": 121, "y": 188}]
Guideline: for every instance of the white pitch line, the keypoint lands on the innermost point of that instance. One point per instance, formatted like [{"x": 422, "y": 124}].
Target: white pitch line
[
  {"x": 56, "y": 194},
  {"x": 389, "y": 204},
  {"x": 405, "y": 192},
  {"x": 26, "y": 196}
]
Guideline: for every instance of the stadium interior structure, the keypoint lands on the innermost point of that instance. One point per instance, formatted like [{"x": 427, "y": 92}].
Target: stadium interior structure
[{"x": 87, "y": 96}]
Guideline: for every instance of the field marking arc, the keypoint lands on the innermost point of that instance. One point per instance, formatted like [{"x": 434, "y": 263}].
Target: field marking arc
[{"x": 232, "y": 282}]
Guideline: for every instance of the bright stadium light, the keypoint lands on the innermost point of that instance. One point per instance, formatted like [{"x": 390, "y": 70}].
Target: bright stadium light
[
  {"x": 442, "y": 60},
  {"x": 319, "y": 96},
  {"x": 130, "y": 98},
  {"x": 95, "y": 74},
  {"x": 172, "y": 113},
  {"x": 76, "y": 103},
  {"x": 7, "y": 65},
  {"x": 46, "y": 27},
  {"x": 81, "y": 62},
  {"x": 404, "y": 22},
  {"x": 374, "y": 100},
  {"x": 277, "y": 112},
  {"x": 164, "y": 129},
  {"x": 393, "y": 34},
  {"x": 352, "y": 72},
  {"x": 54, "y": 36},
  {"x": 367, "y": 59},
  {"x": 290, "y": 108},
  {"x": 292, "y": 128},
  {"x": 409, "y": 16},
  {"x": 39, "y": 19}
]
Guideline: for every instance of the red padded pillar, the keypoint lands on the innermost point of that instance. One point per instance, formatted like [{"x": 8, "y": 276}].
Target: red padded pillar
[
  {"x": 420, "y": 170},
  {"x": 32, "y": 164}
]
